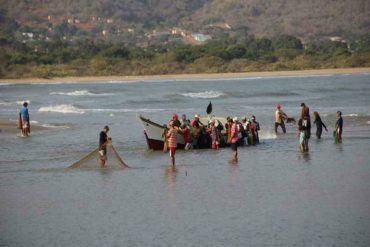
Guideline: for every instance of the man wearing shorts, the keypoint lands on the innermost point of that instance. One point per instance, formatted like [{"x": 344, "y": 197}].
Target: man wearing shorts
[
  {"x": 280, "y": 116},
  {"x": 103, "y": 140},
  {"x": 304, "y": 127},
  {"x": 25, "y": 120}
]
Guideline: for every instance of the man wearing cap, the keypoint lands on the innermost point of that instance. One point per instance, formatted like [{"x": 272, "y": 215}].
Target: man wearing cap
[
  {"x": 185, "y": 121},
  {"x": 103, "y": 140},
  {"x": 244, "y": 129},
  {"x": 175, "y": 119},
  {"x": 280, "y": 116},
  {"x": 196, "y": 131}
]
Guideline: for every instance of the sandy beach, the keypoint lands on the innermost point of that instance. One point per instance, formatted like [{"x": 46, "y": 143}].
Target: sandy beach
[{"x": 67, "y": 80}]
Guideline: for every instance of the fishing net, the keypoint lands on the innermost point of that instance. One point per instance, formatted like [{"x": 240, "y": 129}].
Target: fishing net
[{"x": 92, "y": 159}]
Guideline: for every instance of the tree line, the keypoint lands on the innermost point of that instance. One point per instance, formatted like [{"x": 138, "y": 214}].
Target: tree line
[{"x": 89, "y": 57}]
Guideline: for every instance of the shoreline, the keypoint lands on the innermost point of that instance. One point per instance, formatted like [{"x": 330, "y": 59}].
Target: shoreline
[{"x": 128, "y": 79}]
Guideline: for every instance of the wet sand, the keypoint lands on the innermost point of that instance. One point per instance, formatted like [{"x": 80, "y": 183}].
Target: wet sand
[{"x": 67, "y": 80}]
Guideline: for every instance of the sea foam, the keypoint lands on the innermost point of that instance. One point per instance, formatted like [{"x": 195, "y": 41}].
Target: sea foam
[
  {"x": 267, "y": 135},
  {"x": 62, "y": 109},
  {"x": 79, "y": 93},
  {"x": 351, "y": 115},
  {"x": 20, "y": 102},
  {"x": 147, "y": 110},
  {"x": 204, "y": 95}
]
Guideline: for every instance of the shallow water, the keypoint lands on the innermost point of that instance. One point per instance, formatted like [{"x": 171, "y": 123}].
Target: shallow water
[{"x": 274, "y": 196}]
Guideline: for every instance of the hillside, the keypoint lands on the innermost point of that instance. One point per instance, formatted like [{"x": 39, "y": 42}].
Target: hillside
[{"x": 301, "y": 18}]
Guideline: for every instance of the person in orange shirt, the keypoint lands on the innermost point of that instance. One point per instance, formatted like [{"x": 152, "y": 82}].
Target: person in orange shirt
[{"x": 172, "y": 141}]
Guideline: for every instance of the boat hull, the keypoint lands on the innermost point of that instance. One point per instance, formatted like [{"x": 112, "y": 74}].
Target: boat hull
[{"x": 154, "y": 135}]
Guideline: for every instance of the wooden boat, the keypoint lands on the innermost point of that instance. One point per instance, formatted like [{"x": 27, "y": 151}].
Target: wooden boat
[{"x": 154, "y": 133}]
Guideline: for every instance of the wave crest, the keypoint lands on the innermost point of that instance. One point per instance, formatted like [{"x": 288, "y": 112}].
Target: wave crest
[
  {"x": 204, "y": 95},
  {"x": 79, "y": 93},
  {"x": 62, "y": 109}
]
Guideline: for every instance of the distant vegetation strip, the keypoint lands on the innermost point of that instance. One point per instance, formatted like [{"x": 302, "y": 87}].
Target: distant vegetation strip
[{"x": 85, "y": 57}]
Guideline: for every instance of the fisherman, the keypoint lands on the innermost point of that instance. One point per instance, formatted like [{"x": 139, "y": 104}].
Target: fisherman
[
  {"x": 228, "y": 124},
  {"x": 256, "y": 129},
  {"x": 176, "y": 121},
  {"x": 303, "y": 128},
  {"x": 280, "y": 116},
  {"x": 103, "y": 141},
  {"x": 305, "y": 111},
  {"x": 234, "y": 139},
  {"x": 241, "y": 134},
  {"x": 184, "y": 121},
  {"x": 339, "y": 127},
  {"x": 301, "y": 113},
  {"x": 215, "y": 134},
  {"x": 185, "y": 129},
  {"x": 196, "y": 129},
  {"x": 244, "y": 130},
  {"x": 319, "y": 124},
  {"x": 172, "y": 141},
  {"x": 25, "y": 119}
]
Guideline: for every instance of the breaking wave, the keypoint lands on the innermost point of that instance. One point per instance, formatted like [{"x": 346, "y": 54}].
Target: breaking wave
[
  {"x": 267, "y": 135},
  {"x": 351, "y": 115},
  {"x": 75, "y": 110},
  {"x": 5, "y": 103},
  {"x": 126, "y": 110},
  {"x": 79, "y": 93},
  {"x": 55, "y": 126},
  {"x": 62, "y": 109},
  {"x": 20, "y": 102},
  {"x": 204, "y": 95}
]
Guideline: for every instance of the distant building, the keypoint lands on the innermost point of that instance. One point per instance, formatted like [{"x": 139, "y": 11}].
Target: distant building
[
  {"x": 221, "y": 25},
  {"x": 201, "y": 38},
  {"x": 28, "y": 35},
  {"x": 337, "y": 39},
  {"x": 178, "y": 31}
]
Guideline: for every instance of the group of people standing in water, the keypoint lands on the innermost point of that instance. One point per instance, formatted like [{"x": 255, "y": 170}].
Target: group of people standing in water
[
  {"x": 304, "y": 125},
  {"x": 239, "y": 133},
  {"x": 204, "y": 135}
]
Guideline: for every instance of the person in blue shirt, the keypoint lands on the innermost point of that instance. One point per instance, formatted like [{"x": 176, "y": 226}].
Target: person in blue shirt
[{"x": 25, "y": 117}]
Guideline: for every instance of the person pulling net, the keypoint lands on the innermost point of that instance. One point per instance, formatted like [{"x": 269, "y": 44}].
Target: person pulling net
[{"x": 99, "y": 157}]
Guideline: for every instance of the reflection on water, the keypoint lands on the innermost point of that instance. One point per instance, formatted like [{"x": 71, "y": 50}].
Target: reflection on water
[
  {"x": 305, "y": 157},
  {"x": 171, "y": 173}
]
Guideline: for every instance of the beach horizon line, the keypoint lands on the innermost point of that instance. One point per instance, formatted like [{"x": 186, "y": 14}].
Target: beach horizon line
[{"x": 201, "y": 76}]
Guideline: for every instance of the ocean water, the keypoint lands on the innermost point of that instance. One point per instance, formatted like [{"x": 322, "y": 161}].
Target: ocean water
[{"x": 274, "y": 196}]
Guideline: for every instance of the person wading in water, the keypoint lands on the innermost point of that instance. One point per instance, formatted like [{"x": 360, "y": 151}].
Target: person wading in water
[{"x": 103, "y": 141}]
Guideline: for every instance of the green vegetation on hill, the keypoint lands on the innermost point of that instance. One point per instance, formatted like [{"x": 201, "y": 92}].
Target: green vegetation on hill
[
  {"x": 87, "y": 57},
  {"x": 262, "y": 18}
]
